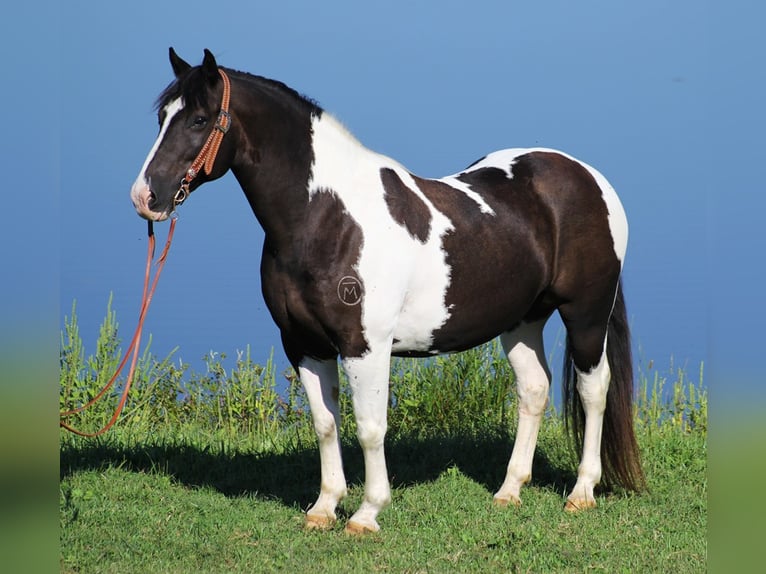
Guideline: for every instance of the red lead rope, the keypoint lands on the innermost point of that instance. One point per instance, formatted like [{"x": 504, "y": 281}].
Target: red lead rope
[{"x": 135, "y": 343}]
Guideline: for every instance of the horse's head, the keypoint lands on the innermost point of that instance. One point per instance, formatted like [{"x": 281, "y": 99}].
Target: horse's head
[{"x": 189, "y": 112}]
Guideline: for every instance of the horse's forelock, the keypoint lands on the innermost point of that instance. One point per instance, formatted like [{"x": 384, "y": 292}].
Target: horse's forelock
[{"x": 191, "y": 86}]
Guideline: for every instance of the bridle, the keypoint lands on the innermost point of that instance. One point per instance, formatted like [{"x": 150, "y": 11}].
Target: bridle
[{"x": 206, "y": 157}]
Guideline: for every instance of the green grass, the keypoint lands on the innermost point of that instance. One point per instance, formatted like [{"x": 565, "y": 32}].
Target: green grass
[{"x": 219, "y": 480}]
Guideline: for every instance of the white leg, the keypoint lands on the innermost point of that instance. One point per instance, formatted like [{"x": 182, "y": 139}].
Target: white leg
[
  {"x": 368, "y": 377},
  {"x": 524, "y": 347},
  {"x": 592, "y": 387},
  {"x": 320, "y": 380}
]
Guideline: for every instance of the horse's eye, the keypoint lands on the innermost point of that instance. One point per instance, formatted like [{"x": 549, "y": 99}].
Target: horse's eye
[{"x": 199, "y": 122}]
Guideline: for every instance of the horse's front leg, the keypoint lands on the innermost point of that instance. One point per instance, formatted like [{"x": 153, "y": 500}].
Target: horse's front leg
[
  {"x": 320, "y": 380},
  {"x": 368, "y": 378}
]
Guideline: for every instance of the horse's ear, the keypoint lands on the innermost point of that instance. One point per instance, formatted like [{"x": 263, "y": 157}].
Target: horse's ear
[
  {"x": 210, "y": 66},
  {"x": 179, "y": 65}
]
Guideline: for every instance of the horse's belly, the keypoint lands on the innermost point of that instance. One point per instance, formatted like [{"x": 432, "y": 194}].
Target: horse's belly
[
  {"x": 434, "y": 321},
  {"x": 414, "y": 338}
]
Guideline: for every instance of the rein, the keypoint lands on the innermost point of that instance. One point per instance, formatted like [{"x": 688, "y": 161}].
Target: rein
[
  {"x": 135, "y": 343},
  {"x": 206, "y": 156}
]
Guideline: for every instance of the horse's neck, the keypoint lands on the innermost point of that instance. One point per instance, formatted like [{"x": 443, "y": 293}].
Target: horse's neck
[{"x": 280, "y": 194}]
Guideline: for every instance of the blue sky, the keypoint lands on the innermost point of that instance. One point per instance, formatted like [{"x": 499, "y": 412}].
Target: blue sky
[{"x": 664, "y": 98}]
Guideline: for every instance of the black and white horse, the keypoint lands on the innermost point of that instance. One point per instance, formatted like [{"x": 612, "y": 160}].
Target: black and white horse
[{"x": 363, "y": 260}]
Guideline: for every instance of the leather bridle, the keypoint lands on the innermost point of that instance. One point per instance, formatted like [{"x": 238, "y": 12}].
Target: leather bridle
[{"x": 206, "y": 157}]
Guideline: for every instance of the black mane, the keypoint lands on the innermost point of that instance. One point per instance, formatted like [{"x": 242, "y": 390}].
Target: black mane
[{"x": 191, "y": 86}]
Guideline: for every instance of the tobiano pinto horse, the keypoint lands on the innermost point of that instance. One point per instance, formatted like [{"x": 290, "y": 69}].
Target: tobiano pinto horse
[{"x": 363, "y": 260}]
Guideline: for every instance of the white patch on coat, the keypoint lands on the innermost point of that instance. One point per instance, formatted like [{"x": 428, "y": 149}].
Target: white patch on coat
[
  {"x": 140, "y": 191},
  {"x": 405, "y": 281},
  {"x": 618, "y": 222},
  {"x": 502, "y": 159},
  {"x": 452, "y": 181}
]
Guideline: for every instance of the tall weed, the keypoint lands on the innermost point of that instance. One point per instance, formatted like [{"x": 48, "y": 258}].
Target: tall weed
[
  {"x": 465, "y": 393},
  {"x": 671, "y": 400}
]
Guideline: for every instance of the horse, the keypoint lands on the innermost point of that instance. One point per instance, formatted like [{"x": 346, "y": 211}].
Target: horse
[{"x": 363, "y": 260}]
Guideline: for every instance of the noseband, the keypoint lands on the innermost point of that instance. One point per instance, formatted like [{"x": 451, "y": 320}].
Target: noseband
[{"x": 206, "y": 157}]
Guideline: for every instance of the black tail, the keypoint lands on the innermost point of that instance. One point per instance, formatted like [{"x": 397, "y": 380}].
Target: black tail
[{"x": 619, "y": 451}]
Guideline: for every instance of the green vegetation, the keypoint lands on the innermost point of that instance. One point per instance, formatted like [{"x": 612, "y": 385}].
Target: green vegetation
[{"x": 210, "y": 472}]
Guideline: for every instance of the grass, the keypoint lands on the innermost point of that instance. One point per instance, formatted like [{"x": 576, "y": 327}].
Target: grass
[{"x": 211, "y": 472}]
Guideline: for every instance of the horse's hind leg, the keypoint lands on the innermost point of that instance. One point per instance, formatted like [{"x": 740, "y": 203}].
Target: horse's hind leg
[
  {"x": 592, "y": 387},
  {"x": 524, "y": 348},
  {"x": 586, "y": 346},
  {"x": 320, "y": 380}
]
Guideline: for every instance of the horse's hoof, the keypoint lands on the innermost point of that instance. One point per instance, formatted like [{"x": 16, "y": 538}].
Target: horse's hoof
[
  {"x": 579, "y": 505},
  {"x": 318, "y": 522},
  {"x": 357, "y": 529},
  {"x": 503, "y": 501}
]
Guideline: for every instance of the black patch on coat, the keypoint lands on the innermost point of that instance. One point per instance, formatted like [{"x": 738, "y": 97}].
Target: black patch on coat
[
  {"x": 407, "y": 209},
  {"x": 301, "y": 284},
  {"x": 484, "y": 177},
  {"x": 488, "y": 292}
]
